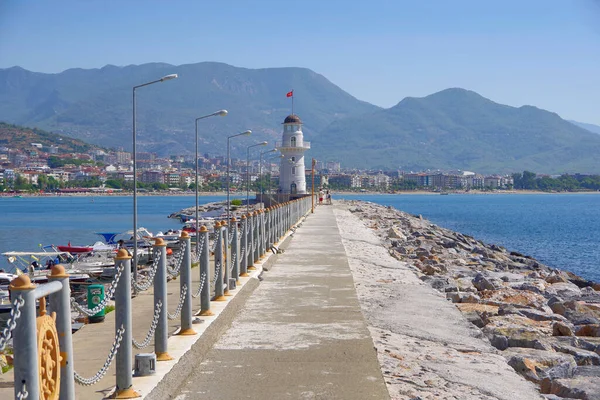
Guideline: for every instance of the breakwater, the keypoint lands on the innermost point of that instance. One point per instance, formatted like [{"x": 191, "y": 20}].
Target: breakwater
[{"x": 543, "y": 321}]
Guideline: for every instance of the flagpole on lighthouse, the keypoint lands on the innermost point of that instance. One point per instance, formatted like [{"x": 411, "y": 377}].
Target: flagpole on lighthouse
[{"x": 291, "y": 94}]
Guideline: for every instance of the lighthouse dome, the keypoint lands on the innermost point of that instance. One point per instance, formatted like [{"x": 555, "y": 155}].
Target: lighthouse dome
[{"x": 292, "y": 119}]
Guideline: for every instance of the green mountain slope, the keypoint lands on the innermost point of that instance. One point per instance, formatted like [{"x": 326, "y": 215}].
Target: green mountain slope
[
  {"x": 96, "y": 105},
  {"x": 452, "y": 129},
  {"x": 20, "y": 138},
  {"x": 459, "y": 129}
]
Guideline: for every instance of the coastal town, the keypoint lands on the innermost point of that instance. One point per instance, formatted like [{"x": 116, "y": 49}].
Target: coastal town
[{"x": 45, "y": 168}]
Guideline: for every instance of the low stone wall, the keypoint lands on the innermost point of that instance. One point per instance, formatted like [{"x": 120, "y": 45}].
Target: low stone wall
[{"x": 544, "y": 321}]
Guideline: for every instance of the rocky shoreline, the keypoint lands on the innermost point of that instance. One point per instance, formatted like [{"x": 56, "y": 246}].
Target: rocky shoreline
[{"x": 543, "y": 321}]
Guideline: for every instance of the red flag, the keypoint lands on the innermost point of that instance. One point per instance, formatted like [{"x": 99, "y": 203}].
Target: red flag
[{"x": 290, "y": 94}]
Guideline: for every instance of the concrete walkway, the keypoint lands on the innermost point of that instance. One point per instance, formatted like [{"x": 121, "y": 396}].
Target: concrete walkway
[{"x": 300, "y": 335}]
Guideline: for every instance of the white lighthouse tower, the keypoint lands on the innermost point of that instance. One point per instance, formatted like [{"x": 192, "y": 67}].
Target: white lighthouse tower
[{"x": 292, "y": 179}]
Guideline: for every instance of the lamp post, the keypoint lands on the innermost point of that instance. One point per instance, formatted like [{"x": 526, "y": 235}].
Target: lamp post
[
  {"x": 312, "y": 196},
  {"x": 220, "y": 113},
  {"x": 135, "y": 247},
  {"x": 248, "y": 173},
  {"x": 260, "y": 171},
  {"x": 245, "y": 133}
]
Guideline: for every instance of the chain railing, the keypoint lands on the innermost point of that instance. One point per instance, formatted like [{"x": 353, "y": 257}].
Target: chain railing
[
  {"x": 200, "y": 286},
  {"x": 217, "y": 273},
  {"x": 174, "y": 271},
  {"x": 109, "y": 295},
  {"x": 180, "y": 305},
  {"x": 197, "y": 253},
  {"x": 23, "y": 306},
  {"x": 23, "y": 393},
  {"x": 11, "y": 323},
  {"x": 213, "y": 246},
  {"x": 242, "y": 253},
  {"x": 152, "y": 329},
  {"x": 100, "y": 374},
  {"x": 232, "y": 263},
  {"x": 147, "y": 282}
]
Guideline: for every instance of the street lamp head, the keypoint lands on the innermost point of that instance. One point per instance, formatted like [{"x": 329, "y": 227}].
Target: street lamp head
[
  {"x": 221, "y": 113},
  {"x": 246, "y": 133},
  {"x": 264, "y": 143},
  {"x": 168, "y": 77}
]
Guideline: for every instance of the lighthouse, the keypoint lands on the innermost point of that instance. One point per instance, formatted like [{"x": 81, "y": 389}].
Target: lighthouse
[{"x": 292, "y": 178}]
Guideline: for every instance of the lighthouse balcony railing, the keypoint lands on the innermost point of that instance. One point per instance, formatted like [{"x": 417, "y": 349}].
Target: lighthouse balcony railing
[{"x": 304, "y": 145}]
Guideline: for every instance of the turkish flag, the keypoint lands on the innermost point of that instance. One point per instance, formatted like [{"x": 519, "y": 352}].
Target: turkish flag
[{"x": 290, "y": 94}]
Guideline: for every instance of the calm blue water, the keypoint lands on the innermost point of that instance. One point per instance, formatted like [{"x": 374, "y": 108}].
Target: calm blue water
[
  {"x": 27, "y": 222},
  {"x": 561, "y": 230}
]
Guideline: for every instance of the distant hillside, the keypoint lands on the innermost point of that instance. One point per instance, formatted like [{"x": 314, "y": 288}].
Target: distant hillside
[
  {"x": 452, "y": 129},
  {"x": 95, "y": 105},
  {"x": 459, "y": 129},
  {"x": 590, "y": 127},
  {"x": 21, "y": 138}
]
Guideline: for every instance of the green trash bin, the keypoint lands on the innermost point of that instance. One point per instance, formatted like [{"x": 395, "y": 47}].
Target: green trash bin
[{"x": 95, "y": 296}]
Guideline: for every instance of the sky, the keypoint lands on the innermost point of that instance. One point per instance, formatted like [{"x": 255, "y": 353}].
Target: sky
[{"x": 544, "y": 53}]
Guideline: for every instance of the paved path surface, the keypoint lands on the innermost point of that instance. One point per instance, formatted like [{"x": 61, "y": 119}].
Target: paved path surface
[{"x": 301, "y": 335}]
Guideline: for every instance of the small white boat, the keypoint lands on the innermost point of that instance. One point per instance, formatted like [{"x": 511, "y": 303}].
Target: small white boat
[{"x": 37, "y": 265}]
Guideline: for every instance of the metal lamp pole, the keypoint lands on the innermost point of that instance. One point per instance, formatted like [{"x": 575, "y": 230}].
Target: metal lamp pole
[
  {"x": 220, "y": 113},
  {"x": 245, "y": 133},
  {"x": 135, "y": 247},
  {"x": 260, "y": 172},
  {"x": 248, "y": 173},
  {"x": 312, "y": 196}
]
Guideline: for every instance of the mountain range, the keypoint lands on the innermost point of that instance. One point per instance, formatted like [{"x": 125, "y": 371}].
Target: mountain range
[
  {"x": 589, "y": 127},
  {"x": 451, "y": 129}
]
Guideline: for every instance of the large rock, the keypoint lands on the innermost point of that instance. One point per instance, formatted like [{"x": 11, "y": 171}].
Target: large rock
[
  {"x": 536, "y": 365},
  {"x": 395, "y": 233},
  {"x": 519, "y": 331},
  {"x": 566, "y": 290},
  {"x": 561, "y": 329},
  {"x": 483, "y": 283},
  {"x": 582, "y": 357},
  {"x": 517, "y": 297},
  {"x": 585, "y": 384}
]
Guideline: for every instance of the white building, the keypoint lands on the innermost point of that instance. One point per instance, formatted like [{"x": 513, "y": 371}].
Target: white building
[{"x": 292, "y": 178}]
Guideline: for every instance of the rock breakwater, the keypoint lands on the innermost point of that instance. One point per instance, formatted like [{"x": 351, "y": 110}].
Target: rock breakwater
[{"x": 543, "y": 321}]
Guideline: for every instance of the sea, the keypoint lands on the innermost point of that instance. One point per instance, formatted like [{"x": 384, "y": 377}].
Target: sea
[{"x": 560, "y": 230}]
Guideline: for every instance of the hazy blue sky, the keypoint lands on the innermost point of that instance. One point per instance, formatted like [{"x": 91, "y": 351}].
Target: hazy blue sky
[{"x": 540, "y": 52}]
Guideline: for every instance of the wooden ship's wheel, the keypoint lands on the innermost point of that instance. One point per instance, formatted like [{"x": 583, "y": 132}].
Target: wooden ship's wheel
[{"x": 48, "y": 354}]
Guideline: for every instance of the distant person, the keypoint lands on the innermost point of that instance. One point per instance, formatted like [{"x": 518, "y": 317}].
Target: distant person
[
  {"x": 321, "y": 196},
  {"x": 328, "y": 197}
]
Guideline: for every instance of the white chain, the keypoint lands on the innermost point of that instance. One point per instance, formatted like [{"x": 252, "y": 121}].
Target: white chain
[
  {"x": 23, "y": 394},
  {"x": 196, "y": 255},
  {"x": 153, "y": 326},
  {"x": 149, "y": 280},
  {"x": 202, "y": 280},
  {"x": 232, "y": 263},
  {"x": 214, "y": 245},
  {"x": 178, "y": 262},
  {"x": 108, "y": 295},
  {"x": 230, "y": 234},
  {"x": 242, "y": 251},
  {"x": 113, "y": 351},
  {"x": 179, "y": 256},
  {"x": 217, "y": 272},
  {"x": 180, "y": 305},
  {"x": 11, "y": 324}
]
